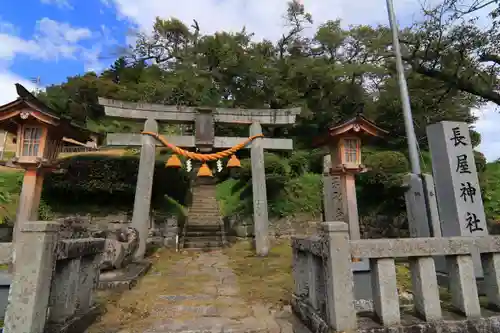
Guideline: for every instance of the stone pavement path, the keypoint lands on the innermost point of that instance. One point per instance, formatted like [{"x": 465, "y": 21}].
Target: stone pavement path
[{"x": 203, "y": 296}]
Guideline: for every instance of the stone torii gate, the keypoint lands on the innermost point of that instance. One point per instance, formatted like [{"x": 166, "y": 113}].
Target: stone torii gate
[{"x": 205, "y": 140}]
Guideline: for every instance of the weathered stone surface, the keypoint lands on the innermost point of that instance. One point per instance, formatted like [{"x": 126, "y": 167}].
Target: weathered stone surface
[
  {"x": 30, "y": 289},
  {"x": 425, "y": 288},
  {"x": 422, "y": 247},
  {"x": 131, "y": 240},
  {"x": 385, "y": 297},
  {"x": 6, "y": 253},
  {"x": 124, "y": 278},
  {"x": 313, "y": 244},
  {"x": 144, "y": 187},
  {"x": 59, "y": 275},
  {"x": 114, "y": 255},
  {"x": 482, "y": 325},
  {"x": 74, "y": 227},
  {"x": 74, "y": 248},
  {"x": 279, "y": 228},
  {"x": 260, "y": 209},
  {"x": 203, "y": 296}
]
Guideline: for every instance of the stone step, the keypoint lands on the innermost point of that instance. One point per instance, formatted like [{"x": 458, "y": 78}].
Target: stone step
[
  {"x": 193, "y": 243},
  {"x": 204, "y": 193},
  {"x": 204, "y": 197},
  {"x": 204, "y": 204},
  {"x": 199, "y": 188},
  {"x": 204, "y": 238},
  {"x": 201, "y": 249},
  {"x": 210, "y": 233},
  {"x": 203, "y": 213},
  {"x": 203, "y": 208},
  {"x": 204, "y": 221},
  {"x": 203, "y": 226},
  {"x": 203, "y": 217},
  {"x": 204, "y": 190}
]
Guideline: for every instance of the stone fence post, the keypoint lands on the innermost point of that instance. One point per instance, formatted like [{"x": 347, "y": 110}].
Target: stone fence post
[
  {"x": 341, "y": 313},
  {"x": 30, "y": 289}
]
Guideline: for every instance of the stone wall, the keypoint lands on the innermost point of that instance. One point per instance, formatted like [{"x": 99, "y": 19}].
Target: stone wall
[
  {"x": 163, "y": 228},
  {"x": 285, "y": 227}
]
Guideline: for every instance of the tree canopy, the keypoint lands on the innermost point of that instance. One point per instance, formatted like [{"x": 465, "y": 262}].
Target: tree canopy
[
  {"x": 457, "y": 43},
  {"x": 333, "y": 75}
]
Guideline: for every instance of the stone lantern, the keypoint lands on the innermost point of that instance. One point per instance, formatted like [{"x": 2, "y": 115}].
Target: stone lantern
[
  {"x": 343, "y": 143},
  {"x": 40, "y": 134},
  {"x": 343, "y": 160}
]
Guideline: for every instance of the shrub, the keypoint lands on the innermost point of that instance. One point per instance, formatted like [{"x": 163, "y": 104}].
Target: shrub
[
  {"x": 111, "y": 180},
  {"x": 300, "y": 195}
]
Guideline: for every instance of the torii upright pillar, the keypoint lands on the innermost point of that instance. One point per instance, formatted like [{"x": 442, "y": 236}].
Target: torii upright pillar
[
  {"x": 260, "y": 213},
  {"x": 144, "y": 188}
]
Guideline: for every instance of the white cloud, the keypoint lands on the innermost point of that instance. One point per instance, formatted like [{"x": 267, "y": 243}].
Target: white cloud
[
  {"x": 7, "y": 88},
  {"x": 51, "y": 41},
  {"x": 263, "y": 17},
  {"x": 63, "y": 4},
  {"x": 93, "y": 58},
  {"x": 487, "y": 125}
]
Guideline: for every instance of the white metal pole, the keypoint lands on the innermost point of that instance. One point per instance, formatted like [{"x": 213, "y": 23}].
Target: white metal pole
[{"x": 405, "y": 99}]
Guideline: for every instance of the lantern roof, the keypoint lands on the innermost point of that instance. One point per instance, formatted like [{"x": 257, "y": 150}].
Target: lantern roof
[
  {"x": 357, "y": 126},
  {"x": 28, "y": 105}
]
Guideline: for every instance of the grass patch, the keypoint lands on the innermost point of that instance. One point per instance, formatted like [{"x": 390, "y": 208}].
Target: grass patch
[
  {"x": 10, "y": 187},
  {"x": 229, "y": 200},
  {"x": 269, "y": 279},
  {"x": 263, "y": 279}
]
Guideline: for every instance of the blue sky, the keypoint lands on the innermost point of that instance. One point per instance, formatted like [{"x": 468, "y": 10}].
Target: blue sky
[
  {"x": 54, "y": 39},
  {"x": 97, "y": 31}
]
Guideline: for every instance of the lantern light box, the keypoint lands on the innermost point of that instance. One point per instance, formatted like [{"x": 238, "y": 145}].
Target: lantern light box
[{"x": 344, "y": 142}]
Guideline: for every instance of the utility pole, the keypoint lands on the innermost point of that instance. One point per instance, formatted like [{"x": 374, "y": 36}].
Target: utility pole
[
  {"x": 421, "y": 205},
  {"x": 403, "y": 89}
]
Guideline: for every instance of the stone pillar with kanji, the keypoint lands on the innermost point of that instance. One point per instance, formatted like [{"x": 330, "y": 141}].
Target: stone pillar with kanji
[{"x": 458, "y": 193}]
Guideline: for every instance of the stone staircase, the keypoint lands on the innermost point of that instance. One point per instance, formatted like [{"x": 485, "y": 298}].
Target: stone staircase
[{"x": 204, "y": 229}]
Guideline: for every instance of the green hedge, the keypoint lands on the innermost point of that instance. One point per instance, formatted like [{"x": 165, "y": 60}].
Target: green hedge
[{"x": 109, "y": 180}]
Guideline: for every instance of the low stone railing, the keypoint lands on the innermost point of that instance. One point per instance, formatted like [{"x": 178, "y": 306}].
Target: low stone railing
[
  {"x": 322, "y": 270},
  {"x": 54, "y": 280}
]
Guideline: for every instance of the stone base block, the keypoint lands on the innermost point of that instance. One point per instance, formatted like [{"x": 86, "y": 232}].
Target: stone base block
[
  {"x": 124, "y": 278},
  {"x": 77, "y": 324},
  {"x": 312, "y": 320},
  {"x": 170, "y": 242},
  {"x": 481, "y": 325},
  {"x": 308, "y": 316}
]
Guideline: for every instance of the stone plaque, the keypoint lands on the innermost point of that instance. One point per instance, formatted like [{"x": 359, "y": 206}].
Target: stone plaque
[
  {"x": 204, "y": 128},
  {"x": 332, "y": 199},
  {"x": 457, "y": 185}
]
